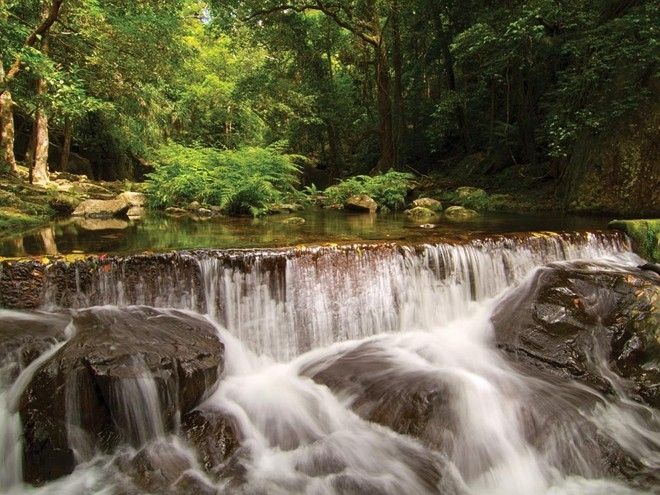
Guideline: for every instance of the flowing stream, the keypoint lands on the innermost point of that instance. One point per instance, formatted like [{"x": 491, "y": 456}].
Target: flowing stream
[{"x": 350, "y": 370}]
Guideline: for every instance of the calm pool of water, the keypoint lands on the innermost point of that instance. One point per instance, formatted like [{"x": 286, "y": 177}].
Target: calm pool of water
[{"x": 159, "y": 233}]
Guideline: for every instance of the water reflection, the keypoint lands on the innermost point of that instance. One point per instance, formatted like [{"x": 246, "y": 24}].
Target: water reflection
[{"x": 160, "y": 233}]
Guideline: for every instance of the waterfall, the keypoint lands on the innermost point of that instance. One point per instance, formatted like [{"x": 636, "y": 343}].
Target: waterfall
[
  {"x": 358, "y": 369},
  {"x": 285, "y": 302}
]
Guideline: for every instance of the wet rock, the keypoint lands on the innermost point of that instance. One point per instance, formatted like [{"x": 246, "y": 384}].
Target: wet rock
[
  {"x": 204, "y": 212},
  {"x": 25, "y": 336},
  {"x": 460, "y": 214},
  {"x": 101, "y": 373},
  {"x": 410, "y": 402},
  {"x": 214, "y": 435},
  {"x": 21, "y": 284},
  {"x": 567, "y": 321},
  {"x": 102, "y": 208},
  {"x": 294, "y": 221},
  {"x": 431, "y": 204},
  {"x": 165, "y": 468},
  {"x": 420, "y": 213},
  {"x": 361, "y": 203}
]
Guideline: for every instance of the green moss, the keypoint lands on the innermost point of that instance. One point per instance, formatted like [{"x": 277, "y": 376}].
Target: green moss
[
  {"x": 645, "y": 235},
  {"x": 12, "y": 219}
]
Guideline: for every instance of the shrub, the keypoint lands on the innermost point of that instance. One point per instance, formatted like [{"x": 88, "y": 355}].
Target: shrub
[
  {"x": 389, "y": 189},
  {"x": 238, "y": 181}
]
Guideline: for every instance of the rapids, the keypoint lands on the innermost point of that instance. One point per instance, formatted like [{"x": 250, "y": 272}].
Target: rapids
[{"x": 350, "y": 370}]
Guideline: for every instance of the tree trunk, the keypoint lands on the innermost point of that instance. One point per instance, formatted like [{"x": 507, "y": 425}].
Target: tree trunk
[
  {"x": 66, "y": 144},
  {"x": 526, "y": 117},
  {"x": 39, "y": 162},
  {"x": 7, "y": 157},
  {"x": 400, "y": 117},
  {"x": 385, "y": 131},
  {"x": 461, "y": 120}
]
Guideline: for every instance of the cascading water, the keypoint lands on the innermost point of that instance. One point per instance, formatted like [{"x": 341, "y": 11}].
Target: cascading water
[{"x": 369, "y": 370}]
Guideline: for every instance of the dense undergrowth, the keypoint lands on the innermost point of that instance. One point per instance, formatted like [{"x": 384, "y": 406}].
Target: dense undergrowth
[
  {"x": 388, "y": 190},
  {"x": 244, "y": 181}
]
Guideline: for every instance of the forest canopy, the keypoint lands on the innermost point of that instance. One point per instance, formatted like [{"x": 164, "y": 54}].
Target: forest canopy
[{"x": 354, "y": 86}]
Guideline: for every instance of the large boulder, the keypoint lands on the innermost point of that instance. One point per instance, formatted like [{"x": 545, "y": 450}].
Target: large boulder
[
  {"x": 124, "y": 377},
  {"x": 361, "y": 203},
  {"x": 133, "y": 198},
  {"x": 102, "y": 208},
  {"x": 430, "y": 203},
  {"x": 567, "y": 321},
  {"x": 420, "y": 213},
  {"x": 460, "y": 214},
  {"x": 409, "y": 401}
]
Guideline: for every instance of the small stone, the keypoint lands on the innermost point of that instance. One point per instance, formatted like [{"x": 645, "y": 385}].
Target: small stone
[
  {"x": 194, "y": 206},
  {"x": 204, "y": 212},
  {"x": 294, "y": 221}
]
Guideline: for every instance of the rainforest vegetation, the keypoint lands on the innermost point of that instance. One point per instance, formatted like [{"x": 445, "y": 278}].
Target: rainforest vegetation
[{"x": 236, "y": 103}]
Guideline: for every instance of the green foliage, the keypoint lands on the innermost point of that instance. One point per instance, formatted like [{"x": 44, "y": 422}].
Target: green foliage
[
  {"x": 243, "y": 181},
  {"x": 388, "y": 190}
]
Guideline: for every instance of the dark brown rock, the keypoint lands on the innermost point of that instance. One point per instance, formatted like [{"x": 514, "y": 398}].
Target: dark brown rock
[
  {"x": 568, "y": 320},
  {"x": 21, "y": 284},
  {"x": 113, "y": 348},
  {"x": 214, "y": 435},
  {"x": 25, "y": 336}
]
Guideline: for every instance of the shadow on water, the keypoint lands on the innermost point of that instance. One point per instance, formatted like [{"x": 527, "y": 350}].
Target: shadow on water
[{"x": 160, "y": 233}]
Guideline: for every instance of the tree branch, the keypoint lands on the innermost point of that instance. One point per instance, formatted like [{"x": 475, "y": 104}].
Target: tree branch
[
  {"x": 33, "y": 37},
  {"x": 334, "y": 14}
]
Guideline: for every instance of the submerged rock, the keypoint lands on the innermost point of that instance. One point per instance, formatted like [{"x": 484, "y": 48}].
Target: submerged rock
[
  {"x": 175, "y": 212},
  {"x": 460, "y": 214},
  {"x": 294, "y": 221},
  {"x": 571, "y": 322},
  {"x": 123, "y": 377},
  {"x": 102, "y": 208},
  {"x": 431, "y": 204},
  {"x": 362, "y": 203}
]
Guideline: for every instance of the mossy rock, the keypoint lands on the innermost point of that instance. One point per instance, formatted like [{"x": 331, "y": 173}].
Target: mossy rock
[
  {"x": 460, "y": 214},
  {"x": 294, "y": 221},
  {"x": 645, "y": 236},
  {"x": 419, "y": 213},
  {"x": 430, "y": 203}
]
